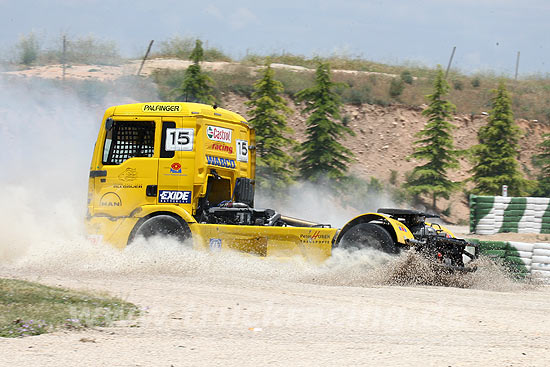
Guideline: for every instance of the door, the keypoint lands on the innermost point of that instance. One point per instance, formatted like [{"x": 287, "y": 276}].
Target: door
[
  {"x": 177, "y": 162},
  {"x": 127, "y": 171}
]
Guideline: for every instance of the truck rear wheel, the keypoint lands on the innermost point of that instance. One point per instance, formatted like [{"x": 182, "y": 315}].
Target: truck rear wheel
[
  {"x": 163, "y": 225},
  {"x": 368, "y": 235}
]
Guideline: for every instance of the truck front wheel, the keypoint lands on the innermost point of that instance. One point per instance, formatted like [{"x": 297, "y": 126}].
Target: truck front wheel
[
  {"x": 162, "y": 225},
  {"x": 368, "y": 235}
]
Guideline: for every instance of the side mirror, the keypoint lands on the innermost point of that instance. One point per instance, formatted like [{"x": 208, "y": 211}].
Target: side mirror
[{"x": 109, "y": 124}]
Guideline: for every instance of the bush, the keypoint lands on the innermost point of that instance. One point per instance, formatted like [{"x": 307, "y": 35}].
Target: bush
[
  {"x": 458, "y": 84},
  {"x": 407, "y": 77},
  {"x": 28, "y": 49},
  {"x": 84, "y": 50},
  {"x": 476, "y": 82},
  {"x": 396, "y": 87},
  {"x": 182, "y": 47},
  {"x": 393, "y": 176}
]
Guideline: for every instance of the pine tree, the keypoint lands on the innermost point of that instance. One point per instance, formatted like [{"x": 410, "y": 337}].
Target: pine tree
[
  {"x": 196, "y": 86},
  {"x": 495, "y": 157},
  {"x": 268, "y": 111},
  {"x": 322, "y": 156},
  {"x": 543, "y": 161},
  {"x": 435, "y": 146}
]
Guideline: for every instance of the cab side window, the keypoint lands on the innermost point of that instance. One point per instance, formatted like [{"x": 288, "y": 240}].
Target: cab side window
[
  {"x": 128, "y": 139},
  {"x": 163, "y": 152}
]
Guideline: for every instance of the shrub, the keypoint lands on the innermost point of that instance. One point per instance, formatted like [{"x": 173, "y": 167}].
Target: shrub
[
  {"x": 182, "y": 47},
  {"x": 85, "y": 50},
  {"x": 476, "y": 82},
  {"x": 407, "y": 77},
  {"x": 28, "y": 49},
  {"x": 396, "y": 87},
  {"x": 393, "y": 177},
  {"x": 458, "y": 84}
]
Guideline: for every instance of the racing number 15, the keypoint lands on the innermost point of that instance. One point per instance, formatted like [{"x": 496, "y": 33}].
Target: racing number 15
[
  {"x": 242, "y": 150},
  {"x": 179, "y": 139}
]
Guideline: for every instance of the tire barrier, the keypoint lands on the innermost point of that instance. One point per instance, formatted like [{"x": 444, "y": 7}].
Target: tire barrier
[
  {"x": 540, "y": 261},
  {"x": 494, "y": 214},
  {"x": 522, "y": 259}
]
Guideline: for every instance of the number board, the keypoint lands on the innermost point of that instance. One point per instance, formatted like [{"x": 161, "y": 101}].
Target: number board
[
  {"x": 242, "y": 150},
  {"x": 179, "y": 140}
]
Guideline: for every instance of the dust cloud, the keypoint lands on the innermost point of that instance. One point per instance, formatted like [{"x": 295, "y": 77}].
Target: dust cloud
[{"x": 47, "y": 132}]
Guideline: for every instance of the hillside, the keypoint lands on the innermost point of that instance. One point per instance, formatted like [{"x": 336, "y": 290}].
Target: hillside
[{"x": 384, "y": 132}]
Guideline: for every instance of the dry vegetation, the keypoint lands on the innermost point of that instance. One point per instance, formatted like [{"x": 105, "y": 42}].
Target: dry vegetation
[{"x": 383, "y": 102}]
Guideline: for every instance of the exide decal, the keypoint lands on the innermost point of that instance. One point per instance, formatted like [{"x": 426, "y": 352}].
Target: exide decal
[
  {"x": 217, "y": 133},
  {"x": 220, "y": 162},
  {"x": 175, "y": 197}
]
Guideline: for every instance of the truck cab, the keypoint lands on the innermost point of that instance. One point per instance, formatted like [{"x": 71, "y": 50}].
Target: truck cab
[{"x": 186, "y": 170}]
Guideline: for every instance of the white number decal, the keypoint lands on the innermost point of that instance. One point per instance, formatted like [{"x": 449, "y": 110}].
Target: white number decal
[
  {"x": 242, "y": 150},
  {"x": 179, "y": 139}
]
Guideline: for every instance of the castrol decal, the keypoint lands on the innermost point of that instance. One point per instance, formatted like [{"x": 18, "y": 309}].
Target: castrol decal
[{"x": 217, "y": 133}]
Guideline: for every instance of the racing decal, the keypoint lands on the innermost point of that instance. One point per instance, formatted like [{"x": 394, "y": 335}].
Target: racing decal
[
  {"x": 160, "y": 108},
  {"x": 174, "y": 197},
  {"x": 402, "y": 229},
  {"x": 179, "y": 140},
  {"x": 129, "y": 174},
  {"x": 242, "y": 150},
  {"x": 110, "y": 199},
  {"x": 220, "y": 162},
  {"x": 222, "y": 148},
  {"x": 217, "y": 133},
  {"x": 215, "y": 244},
  {"x": 175, "y": 168}
]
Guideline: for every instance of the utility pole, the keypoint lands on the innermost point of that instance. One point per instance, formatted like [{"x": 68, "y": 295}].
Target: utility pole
[
  {"x": 145, "y": 57},
  {"x": 517, "y": 66},
  {"x": 450, "y": 61},
  {"x": 64, "y": 55}
]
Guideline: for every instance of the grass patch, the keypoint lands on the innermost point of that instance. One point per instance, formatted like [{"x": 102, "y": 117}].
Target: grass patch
[{"x": 28, "y": 308}]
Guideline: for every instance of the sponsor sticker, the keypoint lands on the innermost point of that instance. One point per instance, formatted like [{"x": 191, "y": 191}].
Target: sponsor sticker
[
  {"x": 128, "y": 175},
  {"x": 315, "y": 237},
  {"x": 175, "y": 168},
  {"x": 220, "y": 162},
  {"x": 160, "y": 108},
  {"x": 222, "y": 148},
  {"x": 217, "y": 133},
  {"x": 174, "y": 197},
  {"x": 137, "y": 186},
  {"x": 110, "y": 199},
  {"x": 215, "y": 244}
]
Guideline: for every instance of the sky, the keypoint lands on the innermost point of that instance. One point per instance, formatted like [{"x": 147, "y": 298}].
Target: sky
[{"x": 487, "y": 33}]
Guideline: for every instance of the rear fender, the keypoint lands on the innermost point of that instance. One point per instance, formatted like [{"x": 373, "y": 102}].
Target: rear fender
[{"x": 396, "y": 229}]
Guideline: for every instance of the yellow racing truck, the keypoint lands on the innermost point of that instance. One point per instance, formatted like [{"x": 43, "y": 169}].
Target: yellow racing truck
[{"x": 187, "y": 170}]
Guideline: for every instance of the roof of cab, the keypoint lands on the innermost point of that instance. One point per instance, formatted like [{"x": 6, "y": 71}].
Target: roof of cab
[{"x": 177, "y": 109}]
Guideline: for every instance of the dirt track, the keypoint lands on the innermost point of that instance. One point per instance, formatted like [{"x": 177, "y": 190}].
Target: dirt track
[{"x": 229, "y": 310}]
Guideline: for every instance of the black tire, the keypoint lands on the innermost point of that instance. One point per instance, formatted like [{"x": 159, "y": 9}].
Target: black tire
[
  {"x": 368, "y": 235},
  {"x": 163, "y": 225}
]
